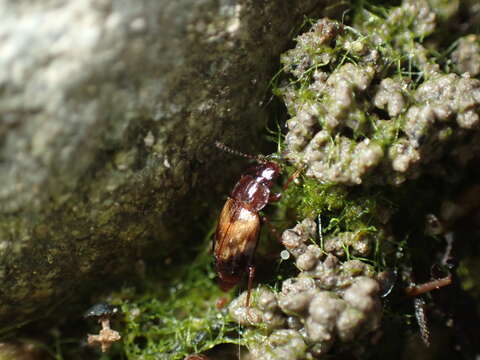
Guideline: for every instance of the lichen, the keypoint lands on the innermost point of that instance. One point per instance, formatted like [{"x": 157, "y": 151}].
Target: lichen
[
  {"x": 467, "y": 55},
  {"x": 370, "y": 104},
  {"x": 327, "y": 302}
]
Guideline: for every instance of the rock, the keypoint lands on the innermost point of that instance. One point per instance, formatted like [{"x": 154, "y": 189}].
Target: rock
[{"x": 108, "y": 115}]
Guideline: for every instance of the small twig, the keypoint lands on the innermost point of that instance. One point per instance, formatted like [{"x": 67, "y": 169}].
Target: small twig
[{"x": 428, "y": 286}]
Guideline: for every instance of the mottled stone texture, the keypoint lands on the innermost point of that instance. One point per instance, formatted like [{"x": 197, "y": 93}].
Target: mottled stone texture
[{"x": 108, "y": 112}]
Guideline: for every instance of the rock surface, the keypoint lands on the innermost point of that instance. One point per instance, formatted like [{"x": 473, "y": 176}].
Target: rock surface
[{"x": 108, "y": 113}]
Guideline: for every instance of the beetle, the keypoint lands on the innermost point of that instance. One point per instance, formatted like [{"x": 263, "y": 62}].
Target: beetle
[{"x": 238, "y": 228}]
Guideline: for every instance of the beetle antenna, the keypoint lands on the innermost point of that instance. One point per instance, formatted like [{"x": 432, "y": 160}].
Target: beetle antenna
[
  {"x": 276, "y": 156},
  {"x": 227, "y": 149}
]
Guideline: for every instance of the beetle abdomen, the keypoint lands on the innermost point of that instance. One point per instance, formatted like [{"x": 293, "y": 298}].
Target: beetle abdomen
[{"x": 235, "y": 241}]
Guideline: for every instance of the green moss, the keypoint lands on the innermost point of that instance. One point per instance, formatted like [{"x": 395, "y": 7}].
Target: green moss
[
  {"x": 347, "y": 209},
  {"x": 176, "y": 315}
]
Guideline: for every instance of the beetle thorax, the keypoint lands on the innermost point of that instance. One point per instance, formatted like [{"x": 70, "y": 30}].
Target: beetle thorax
[{"x": 268, "y": 171}]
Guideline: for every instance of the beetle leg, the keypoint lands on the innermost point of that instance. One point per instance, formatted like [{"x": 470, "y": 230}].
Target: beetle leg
[
  {"x": 291, "y": 178},
  {"x": 271, "y": 229},
  {"x": 274, "y": 197},
  {"x": 251, "y": 275}
]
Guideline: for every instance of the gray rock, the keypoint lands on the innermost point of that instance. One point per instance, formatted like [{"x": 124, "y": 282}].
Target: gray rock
[{"x": 108, "y": 113}]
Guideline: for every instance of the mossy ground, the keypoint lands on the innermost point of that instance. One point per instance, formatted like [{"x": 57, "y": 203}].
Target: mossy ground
[
  {"x": 172, "y": 311},
  {"x": 183, "y": 320}
]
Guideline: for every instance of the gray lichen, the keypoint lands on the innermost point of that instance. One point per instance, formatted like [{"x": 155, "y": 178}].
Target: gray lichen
[
  {"x": 280, "y": 344},
  {"x": 467, "y": 55},
  {"x": 330, "y": 301},
  {"x": 370, "y": 104}
]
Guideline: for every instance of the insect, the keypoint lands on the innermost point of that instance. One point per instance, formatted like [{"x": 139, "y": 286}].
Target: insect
[{"x": 238, "y": 228}]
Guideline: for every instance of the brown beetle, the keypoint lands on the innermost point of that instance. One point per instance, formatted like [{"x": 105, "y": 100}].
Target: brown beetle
[{"x": 238, "y": 227}]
